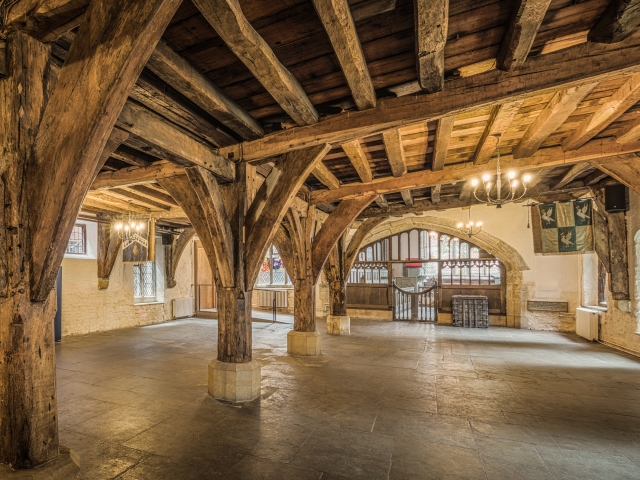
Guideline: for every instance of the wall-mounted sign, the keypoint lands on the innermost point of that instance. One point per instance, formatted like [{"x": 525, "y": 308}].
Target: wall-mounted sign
[{"x": 538, "y": 306}]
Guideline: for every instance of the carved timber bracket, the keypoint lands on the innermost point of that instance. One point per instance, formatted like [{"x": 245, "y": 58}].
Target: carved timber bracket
[
  {"x": 109, "y": 243},
  {"x": 173, "y": 253}
]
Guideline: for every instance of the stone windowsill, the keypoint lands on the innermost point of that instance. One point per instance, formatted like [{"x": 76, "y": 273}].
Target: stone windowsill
[
  {"x": 141, "y": 304},
  {"x": 599, "y": 308}
]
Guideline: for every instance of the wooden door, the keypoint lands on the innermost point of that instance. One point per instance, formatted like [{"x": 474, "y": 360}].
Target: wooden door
[{"x": 205, "y": 288}]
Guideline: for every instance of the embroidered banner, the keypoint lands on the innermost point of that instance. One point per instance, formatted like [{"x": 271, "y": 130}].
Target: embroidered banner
[{"x": 563, "y": 227}]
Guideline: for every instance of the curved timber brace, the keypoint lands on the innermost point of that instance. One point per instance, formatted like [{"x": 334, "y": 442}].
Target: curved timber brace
[{"x": 172, "y": 254}]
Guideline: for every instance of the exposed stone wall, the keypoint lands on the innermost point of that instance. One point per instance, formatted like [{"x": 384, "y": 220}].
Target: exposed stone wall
[
  {"x": 86, "y": 309},
  {"x": 619, "y": 324}
]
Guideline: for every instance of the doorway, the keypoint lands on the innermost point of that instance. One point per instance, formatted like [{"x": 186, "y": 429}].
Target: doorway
[{"x": 205, "y": 288}]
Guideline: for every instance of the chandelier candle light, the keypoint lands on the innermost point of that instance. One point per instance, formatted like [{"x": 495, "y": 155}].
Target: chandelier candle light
[
  {"x": 514, "y": 184},
  {"x": 131, "y": 229},
  {"x": 471, "y": 228}
]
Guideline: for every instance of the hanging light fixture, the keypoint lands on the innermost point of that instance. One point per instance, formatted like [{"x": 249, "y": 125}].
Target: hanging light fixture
[
  {"x": 517, "y": 186},
  {"x": 471, "y": 228},
  {"x": 132, "y": 228}
]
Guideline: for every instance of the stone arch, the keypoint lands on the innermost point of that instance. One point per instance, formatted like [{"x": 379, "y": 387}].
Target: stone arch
[{"x": 513, "y": 262}]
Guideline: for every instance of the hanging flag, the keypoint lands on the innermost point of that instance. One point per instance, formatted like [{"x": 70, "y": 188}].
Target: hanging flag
[{"x": 562, "y": 227}]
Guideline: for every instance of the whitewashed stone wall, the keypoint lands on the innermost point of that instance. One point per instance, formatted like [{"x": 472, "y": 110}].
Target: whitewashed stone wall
[
  {"x": 86, "y": 309},
  {"x": 619, "y": 324}
]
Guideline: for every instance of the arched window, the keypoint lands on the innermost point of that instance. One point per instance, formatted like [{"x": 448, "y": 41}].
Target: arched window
[
  {"x": 433, "y": 242},
  {"x": 272, "y": 271},
  {"x": 474, "y": 252},
  {"x": 424, "y": 245},
  {"x": 454, "y": 248},
  {"x": 464, "y": 250},
  {"x": 444, "y": 247}
]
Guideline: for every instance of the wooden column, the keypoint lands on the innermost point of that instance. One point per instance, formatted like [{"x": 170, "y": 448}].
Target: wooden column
[{"x": 109, "y": 243}]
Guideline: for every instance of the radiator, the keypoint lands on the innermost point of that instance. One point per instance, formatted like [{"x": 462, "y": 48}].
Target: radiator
[
  {"x": 182, "y": 307},
  {"x": 265, "y": 298},
  {"x": 587, "y": 323}
]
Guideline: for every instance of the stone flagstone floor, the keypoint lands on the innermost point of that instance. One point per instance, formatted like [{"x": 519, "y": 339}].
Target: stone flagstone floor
[{"x": 393, "y": 400}]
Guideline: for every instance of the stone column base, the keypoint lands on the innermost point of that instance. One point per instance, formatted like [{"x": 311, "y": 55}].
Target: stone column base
[
  {"x": 303, "y": 343},
  {"x": 234, "y": 382},
  {"x": 338, "y": 325},
  {"x": 66, "y": 466}
]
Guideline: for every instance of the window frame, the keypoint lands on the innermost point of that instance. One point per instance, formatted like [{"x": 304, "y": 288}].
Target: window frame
[
  {"x": 83, "y": 229},
  {"x": 154, "y": 281}
]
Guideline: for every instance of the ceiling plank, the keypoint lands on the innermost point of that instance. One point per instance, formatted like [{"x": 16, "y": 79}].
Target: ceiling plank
[
  {"x": 154, "y": 194},
  {"x": 561, "y": 106},
  {"x": 324, "y": 176},
  {"x": 136, "y": 175},
  {"x": 172, "y": 142},
  {"x": 619, "y": 19},
  {"x": 443, "y": 137},
  {"x": 596, "y": 176},
  {"x": 226, "y": 17},
  {"x": 395, "y": 152},
  {"x": 363, "y": 10},
  {"x": 431, "y": 26},
  {"x": 337, "y": 21},
  {"x": 181, "y": 75},
  {"x": 407, "y": 197},
  {"x": 137, "y": 199},
  {"x": 500, "y": 120},
  {"x": 627, "y": 96},
  {"x": 358, "y": 159},
  {"x": 526, "y": 17},
  {"x": 572, "y": 174},
  {"x": 571, "y": 67},
  {"x": 126, "y": 155},
  {"x": 596, "y": 152}
]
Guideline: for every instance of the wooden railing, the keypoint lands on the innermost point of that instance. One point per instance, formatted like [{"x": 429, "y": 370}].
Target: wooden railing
[{"x": 415, "y": 306}]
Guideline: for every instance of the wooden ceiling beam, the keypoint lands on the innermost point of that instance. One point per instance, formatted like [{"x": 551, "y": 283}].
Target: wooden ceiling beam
[
  {"x": 572, "y": 174},
  {"x": 325, "y": 177},
  {"x": 381, "y": 202},
  {"x": 338, "y": 22},
  {"x": 138, "y": 199},
  {"x": 128, "y": 156},
  {"x": 174, "y": 143},
  {"x": 395, "y": 152},
  {"x": 186, "y": 79},
  {"x": 136, "y": 175},
  {"x": 499, "y": 121},
  {"x": 431, "y": 27},
  {"x": 619, "y": 19},
  {"x": 568, "y": 68},
  {"x": 627, "y": 96},
  {"x": 441, "y": 145},
  {"x": 554, "y": 114},
  {"x": 594, "y": 152},
  {"x": 45, "y": 19},
  {"x": 526, "y": 17},
  {"x": 371, "y": 8},
  {"x": 226, "y": 17},
  {"x": 629, "y": 133},
  {"x": 595, "y": 177},
  {"x": 359, "y": 160},
  {"x": 118, "y": 202},
  {"x": 153, "y": 193}
]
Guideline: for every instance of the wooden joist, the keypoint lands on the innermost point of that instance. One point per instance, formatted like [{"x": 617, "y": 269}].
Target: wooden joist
[
  {"x": 174, "y": 143},
  {"x": 337, "y": 21},
  {"x": 129, "y": 156},
  {"x": 382, "y": 202},
  {"x": 568, "y": 68},
  {"x": 136, "y": 175},
  {"x": 358, "y": 159},
  {"x": 226, "y": 17},
  {"x": 627, "y": 96},
  {"x": 619, "y": 19},
  {"x": 554, "y": 114},
  {"x": 594, "y": 177},
  {"x": 443, "y": 138},
  {"x": 371, "y": 8},
  {"x": 153, "y": 193},
  {"x": 407, "y": 198},
  {"x": 629, "y": 133},
  {"x": 435, "y": 193},
  {"x": 499, "y": 121},
  {"x": 598, "y": 152},
  {"x": 431, "y": 27},
  {"x": 112, "y": 45},
  {"x": 121, "y": 204},
  {"x": 572, "y": 174},
  {"x": 526, "y": 17},
  {"x": 395, "y": 152},
  {"x": 183, "y": 76},
  {"x": 46, "y": 19},
  {"x": 138, "y": 199},
  {"x": 324, "y": 176}
]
